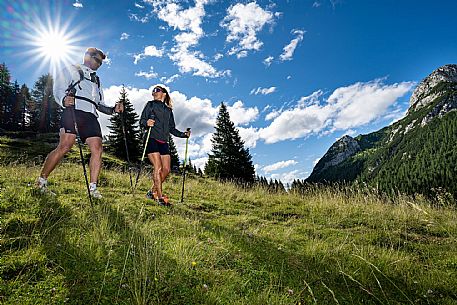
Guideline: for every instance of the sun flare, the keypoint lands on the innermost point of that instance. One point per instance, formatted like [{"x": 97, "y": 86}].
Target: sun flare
[
  {"x": 54, "y": 46},
  {"x": 50, "y": 43}
]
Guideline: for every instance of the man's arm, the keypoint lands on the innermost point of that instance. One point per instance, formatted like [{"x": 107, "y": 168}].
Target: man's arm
[
  {"x": 102, "y": 107},
  {"x": 62, "y": 80}
]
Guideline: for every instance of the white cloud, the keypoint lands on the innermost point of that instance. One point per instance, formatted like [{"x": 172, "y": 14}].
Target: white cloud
[
  {"x": 346, "y": 108},
  {"x": 139, "y": 5},
  {"x": 170, "y": 79},
  {"x": 148, "y": 51},
  {"x": 274, "y": 114},
  {"x": 218, "y": 56},
  {"x": 194, "y": 112},
  {"x": 241, "y": 54},
  {"x": 189, "y": 62},
  {"x": 200, "y": 162},
  {"x": 135, "y": 17},
  {"x": 243, "y": 22},
  {"x": 188, "y": 22},
  {"x": 317, "y": 4},
  {"x": 107, "y": 61},
  {"x": 289, "y": 50},
  {"x": 124, "y": 36},
  {"x": 147, "y": 75},
  {"x": 249, "y": 136},
  {"x": 278, "y": 165},
  {"x": 314, "y": 98},
  {"x": 296, "y": 123},
  {"x": 267, "y": 61},
  {"x": 241, "y": 115},
  {"x": 78, "y": 4},
  {"x": 361, "y": 103},
  {"x": 264, "y": 91},
  {"x": 288, "y": 177}
]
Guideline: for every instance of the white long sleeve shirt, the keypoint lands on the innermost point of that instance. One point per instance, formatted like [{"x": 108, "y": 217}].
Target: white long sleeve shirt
[{"x": 85, "y": 89}]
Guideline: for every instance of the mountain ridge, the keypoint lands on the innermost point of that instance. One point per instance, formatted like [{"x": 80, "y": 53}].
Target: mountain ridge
[{"x": 423, "y": 140}]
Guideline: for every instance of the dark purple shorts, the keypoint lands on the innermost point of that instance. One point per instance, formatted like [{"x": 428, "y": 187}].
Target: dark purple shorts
[{"x": 155, "y": 146}]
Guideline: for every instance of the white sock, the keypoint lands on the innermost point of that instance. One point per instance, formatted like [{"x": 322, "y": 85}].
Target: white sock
[
  {"x": 92, "y": 186},
  {"x": 42, "y": 181}
]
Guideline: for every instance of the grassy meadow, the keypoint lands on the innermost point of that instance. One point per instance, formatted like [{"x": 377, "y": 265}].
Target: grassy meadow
[{"x": 223, "y": 245}]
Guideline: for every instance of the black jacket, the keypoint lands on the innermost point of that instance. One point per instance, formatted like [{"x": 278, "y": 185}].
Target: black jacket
[{"x": 164, "y": 121}]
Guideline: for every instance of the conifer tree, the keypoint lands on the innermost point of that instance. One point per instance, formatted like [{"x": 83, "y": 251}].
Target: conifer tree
[
  {"x": 45, "y": 114},
  {"x": 17, "y": 108},
  {"x": 189, "y": 166},
  {"x": 228, "y": 160},
  {"x": 10, "y": 114},
  {"x": 173, "y": 155},
  {"x": 25, "y": 100},
  {"x": 128, "y": 119},
  {"x": 5, "y": 93}
]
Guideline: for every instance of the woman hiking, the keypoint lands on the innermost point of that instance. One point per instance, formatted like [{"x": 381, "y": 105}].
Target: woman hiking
[{"x": 158, "y": 116}]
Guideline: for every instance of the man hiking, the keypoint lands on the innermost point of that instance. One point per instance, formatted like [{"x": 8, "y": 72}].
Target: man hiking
[{"x": 78, "y": 91}]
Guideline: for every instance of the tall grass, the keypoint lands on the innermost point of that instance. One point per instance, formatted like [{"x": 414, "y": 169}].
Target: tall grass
[{"x": 224, "y": 245}]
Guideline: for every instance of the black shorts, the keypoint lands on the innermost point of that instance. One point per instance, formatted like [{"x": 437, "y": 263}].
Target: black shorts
[
  {"x": 155, "y": 146},
  {"x": 88, "y": 125}
]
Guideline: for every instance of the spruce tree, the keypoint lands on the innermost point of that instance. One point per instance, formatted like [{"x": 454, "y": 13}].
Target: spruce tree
[
  {"x": 173, "y": 154},
  {"x": 45, "y": 114},
  {"x": 190, "y": 167},
  {"x": 5, "y": 93},
  {"x": 17, "y": 109},
  {"x": 228, "y": 160},
  {"x": 128, "y": 119},
  {"x": 25, "y": 100}
]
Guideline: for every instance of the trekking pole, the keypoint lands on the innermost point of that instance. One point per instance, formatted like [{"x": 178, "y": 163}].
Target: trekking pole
[
  {"x": 142, "y": 157},
  {"x": 126, "y": 146},
  {"x": 78, "y": 138},
  {"x": 184, "y": 169}
]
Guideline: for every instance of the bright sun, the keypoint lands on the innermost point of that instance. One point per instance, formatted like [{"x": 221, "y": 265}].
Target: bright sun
[{"x": 54, "y": 46}]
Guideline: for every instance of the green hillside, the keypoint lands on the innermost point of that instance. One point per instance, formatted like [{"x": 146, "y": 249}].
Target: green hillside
[
  {"x": 224, "y": 245},
  {"x": 408, "y": 156}
]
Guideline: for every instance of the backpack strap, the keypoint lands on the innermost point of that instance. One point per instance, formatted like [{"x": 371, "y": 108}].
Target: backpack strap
[{"x": 71, "y": 87}]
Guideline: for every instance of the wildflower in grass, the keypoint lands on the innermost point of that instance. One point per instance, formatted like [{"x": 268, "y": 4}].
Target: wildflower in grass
[
  {"x": 205, "y": 287},
  {"x": 290, "y": 291},
  {"x": 194, "y": 264}
]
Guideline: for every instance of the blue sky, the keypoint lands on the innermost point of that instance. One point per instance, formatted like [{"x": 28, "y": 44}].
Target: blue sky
[{"x": 296, "y": 75}]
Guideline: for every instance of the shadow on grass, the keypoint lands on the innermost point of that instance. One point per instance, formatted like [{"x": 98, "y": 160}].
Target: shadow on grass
[
  {"x": 327, "y": 281},
  {"x": 121, "y": 266}
]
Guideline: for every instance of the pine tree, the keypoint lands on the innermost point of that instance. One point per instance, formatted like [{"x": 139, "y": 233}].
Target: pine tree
[
  {"x": 45, "y": 114},
  {"x": 228, "y": 160},
  {"x": 25, "y": 100},
  {"x": 5, "y": 93},
  {"x": 17, "y": 109},
  {"x": 173, "y": 154},
  {"x": 189, "y": 166},
  {"x": 128, "y": 119}
]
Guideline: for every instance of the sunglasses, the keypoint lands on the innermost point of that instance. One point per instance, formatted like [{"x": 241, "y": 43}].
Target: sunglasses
[
  {"x": 97, "y": 60},
  {"x": 157, "y": 89}
]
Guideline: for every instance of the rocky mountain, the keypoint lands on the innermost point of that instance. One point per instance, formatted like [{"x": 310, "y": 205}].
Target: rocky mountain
[{"x": 417, "y": 154}]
